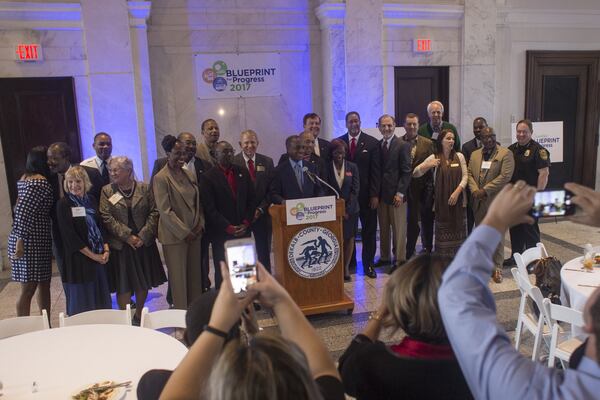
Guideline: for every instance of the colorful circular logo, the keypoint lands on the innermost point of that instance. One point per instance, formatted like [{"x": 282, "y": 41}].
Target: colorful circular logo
[
  {"x": 208, "y": 75},
  {"x": 219, "y": 84},
  {"x": 313, "y": 252},
  {"x": 220, "y": 68}
]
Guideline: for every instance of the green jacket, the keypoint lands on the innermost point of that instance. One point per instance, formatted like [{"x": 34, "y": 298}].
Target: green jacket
[{"x": 426, "y": 130}]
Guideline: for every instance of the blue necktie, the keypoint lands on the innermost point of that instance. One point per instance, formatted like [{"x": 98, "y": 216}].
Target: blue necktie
[{"x": 299, "y": 175}]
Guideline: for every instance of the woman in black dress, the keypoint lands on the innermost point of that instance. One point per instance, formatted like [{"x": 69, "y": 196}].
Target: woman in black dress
[
  {"x": 130, "y": 217},
  {"x": 86, "y": 253},
  {"x": 30, "y": 242}
]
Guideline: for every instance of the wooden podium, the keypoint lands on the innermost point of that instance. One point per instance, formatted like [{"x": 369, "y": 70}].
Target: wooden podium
[{"x": 313, "y": 296}]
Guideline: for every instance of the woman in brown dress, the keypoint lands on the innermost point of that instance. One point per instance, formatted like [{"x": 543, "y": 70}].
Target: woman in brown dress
[{"x": 450, "y": 180}]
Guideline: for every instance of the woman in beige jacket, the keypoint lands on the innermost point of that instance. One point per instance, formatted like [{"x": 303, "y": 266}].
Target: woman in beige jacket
[
  {"x": 180, "y": 225},
  {"x": 130, "y": 217}
]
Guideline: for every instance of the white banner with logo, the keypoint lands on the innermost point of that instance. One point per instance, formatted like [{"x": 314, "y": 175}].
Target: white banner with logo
[
  {"x": 310, "y": 210},
  {"x": 238, "y": 75},
  {"x": 549, "y": 135}
]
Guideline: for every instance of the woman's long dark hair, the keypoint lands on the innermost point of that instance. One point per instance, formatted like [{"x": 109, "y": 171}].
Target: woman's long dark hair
[
  {"x": 37, "y": 162},
  {"x": 439, "y": 147}
]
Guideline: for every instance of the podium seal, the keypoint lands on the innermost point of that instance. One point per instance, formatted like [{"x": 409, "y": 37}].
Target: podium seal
[{"x": 313, "y": 252}]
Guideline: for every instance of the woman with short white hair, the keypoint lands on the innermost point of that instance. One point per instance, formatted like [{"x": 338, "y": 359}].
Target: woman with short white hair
[{"x": 130, "y": 217}]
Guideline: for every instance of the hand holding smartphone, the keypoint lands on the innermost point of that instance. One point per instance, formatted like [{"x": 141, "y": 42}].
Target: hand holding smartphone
[
  {"x": 241, "y": 262},
  {"x": 552, "y": 203}
]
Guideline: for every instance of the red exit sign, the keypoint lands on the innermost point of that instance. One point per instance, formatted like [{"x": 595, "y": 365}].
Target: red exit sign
[
  {"x": 422, "y": 46},
  {"x": 28, "y": 52}
]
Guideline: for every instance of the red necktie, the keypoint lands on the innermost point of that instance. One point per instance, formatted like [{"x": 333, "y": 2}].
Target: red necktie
[
  {"x": 352, "y": 148},
  {"x": 251, "y": 170}
]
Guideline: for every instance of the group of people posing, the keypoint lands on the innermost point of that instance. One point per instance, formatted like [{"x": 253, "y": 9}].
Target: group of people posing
[{"x": 102, "y": 224}]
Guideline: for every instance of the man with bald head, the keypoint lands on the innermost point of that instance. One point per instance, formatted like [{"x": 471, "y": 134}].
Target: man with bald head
[
  {"x": 309, "y": 156},
  {"x": 103, "y": 148},
  {"x": 260, "y": 168},
  {"x": 210, "y": 136},
  {"x": 229, "y": 202}
]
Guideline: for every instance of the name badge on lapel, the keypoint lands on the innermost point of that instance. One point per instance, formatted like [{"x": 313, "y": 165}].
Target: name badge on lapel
[
  {"x": 486, "y": 165},
  {"x": 115, "y": 198},
  {"x": 454, "y": 165},
  {"x": 78, "y": 211},
  {"x": 260, "y": 168}
]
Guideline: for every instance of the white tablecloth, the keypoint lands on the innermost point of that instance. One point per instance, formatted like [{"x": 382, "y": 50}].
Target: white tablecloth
[
  {"x": 62, "y": 360},
  {"x": 571, "y": 294}
]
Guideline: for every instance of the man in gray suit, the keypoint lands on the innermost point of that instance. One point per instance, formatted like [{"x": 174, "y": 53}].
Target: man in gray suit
[
  {"x": 490, "y": 169},
  {"x": 260, "y": 168},
  {"x": 396, "y": 172}
]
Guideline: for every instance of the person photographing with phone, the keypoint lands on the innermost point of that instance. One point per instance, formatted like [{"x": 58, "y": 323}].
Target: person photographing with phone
[
  {"x": 491, "y": 365},
  {"x": 293, "y": 364}
]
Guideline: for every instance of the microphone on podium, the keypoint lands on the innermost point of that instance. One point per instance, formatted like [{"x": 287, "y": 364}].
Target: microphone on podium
[{"x": 314, "y": 176}]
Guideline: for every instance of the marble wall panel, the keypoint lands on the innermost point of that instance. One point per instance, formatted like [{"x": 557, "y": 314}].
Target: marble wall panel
[
  {"x": 408, "y": 58},
  {"x": 106, "y": 29},
  {"x": 85, "y": 116},
  {"x": 277, "y": 37},
  {"x": 394, "y": 33}
]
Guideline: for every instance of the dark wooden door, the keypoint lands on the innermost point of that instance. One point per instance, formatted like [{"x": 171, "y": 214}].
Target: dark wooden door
[
  {"x": 33, "y": 112},
  {"x": 564, "y": 86},
  {"x": 415, "y": 87}
]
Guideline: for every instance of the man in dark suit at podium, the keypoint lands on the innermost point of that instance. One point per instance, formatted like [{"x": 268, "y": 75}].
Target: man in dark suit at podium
[
  {"x": 227, "y": 195},
  {"x": 363, "y": 150},
  {"x": 260, "y": 169},
  {"x": 294, "y": 178}
]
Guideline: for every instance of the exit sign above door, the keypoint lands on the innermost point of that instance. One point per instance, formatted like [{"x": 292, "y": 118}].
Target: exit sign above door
[
  {"x": 28, "y": 52},
  {"x": 422, "y": 46}
]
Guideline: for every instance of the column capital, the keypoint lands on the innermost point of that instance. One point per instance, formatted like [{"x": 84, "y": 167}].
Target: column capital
[
  {"x": 139, "y": 12},
  {"x": 331, "y": 14}
]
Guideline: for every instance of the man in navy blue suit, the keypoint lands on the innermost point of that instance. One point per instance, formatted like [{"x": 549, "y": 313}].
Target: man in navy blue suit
[
  {"x": 363, "y": 150},
  {"x": 294, "y": 178}
]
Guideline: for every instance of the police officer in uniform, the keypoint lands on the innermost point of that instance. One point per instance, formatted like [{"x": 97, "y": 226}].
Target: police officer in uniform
[{"x": 532, "y": 164}]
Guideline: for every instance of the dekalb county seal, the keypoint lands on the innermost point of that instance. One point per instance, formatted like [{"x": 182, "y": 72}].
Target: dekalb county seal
[{"x": 313, "y": 252}]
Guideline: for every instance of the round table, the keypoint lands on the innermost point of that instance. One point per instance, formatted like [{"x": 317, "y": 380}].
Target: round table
[
  {"x": 63, "y": 360},
  {"x": 571, "y": 293}
]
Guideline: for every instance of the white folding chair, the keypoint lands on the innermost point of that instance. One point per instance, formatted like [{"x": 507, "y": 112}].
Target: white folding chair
[
  {"x": 19, "y": 325},
  {"x": 529, "y": 255},
  {"x": 562, "y": 349},
  {"x": 115, "y": 317},
  {"x": 537, "y": 326},
  {"x": 163, "y": 319}
]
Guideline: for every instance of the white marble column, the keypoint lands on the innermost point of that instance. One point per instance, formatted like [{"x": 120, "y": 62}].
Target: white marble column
[
  {"x": 139, "y": 11},
  {"x": 112, "y": 86},
  {"x": 331, "y": 17},
  {"x": 363, "y": 28},
  {"x": 479, "y": 41}
]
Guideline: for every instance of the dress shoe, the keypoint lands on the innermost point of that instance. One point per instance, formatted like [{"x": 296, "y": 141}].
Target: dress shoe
[
  {"x": 425, "y": 251},
  {"x": 370, "y": 272},
  {"x": 382, "y": 263},
  {"x": 497, "y": 275},
  {"x": 509, "y": 262}
]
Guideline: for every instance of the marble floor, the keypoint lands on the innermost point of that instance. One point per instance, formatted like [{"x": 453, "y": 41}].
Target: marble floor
[{"x": 563, "y": 239}]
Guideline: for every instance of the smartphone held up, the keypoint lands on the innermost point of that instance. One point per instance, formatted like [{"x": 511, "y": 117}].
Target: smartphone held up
[
  {"x": 552, "y": 203},
  {"x": 241, "y": 262}
]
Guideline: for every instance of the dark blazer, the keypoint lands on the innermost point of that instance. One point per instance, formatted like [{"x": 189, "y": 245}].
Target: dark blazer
[
  {"x": 74, "y": 233},
  {"x": 369, "y": 166},
  {"x": 350, "y": 186},
  {"x": 318, "y": 162},
  {"x": 468, "y": 148},
  {"x": 116, "y": 217},
  {"x": 96, "y": 179},
  {"x": 264, "y": 170},
  {"x": 370, "y": 370},
  {"x": 396, "y": 171},
  {"x": 221, "y": 207},
  {"x": 324, "y": 149},
  {"x": 159, "y": 163},
  {"x": 284, "y": 185}
]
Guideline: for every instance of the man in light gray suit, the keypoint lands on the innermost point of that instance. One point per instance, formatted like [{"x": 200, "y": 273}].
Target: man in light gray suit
[{"x": 490, "y": 169}]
